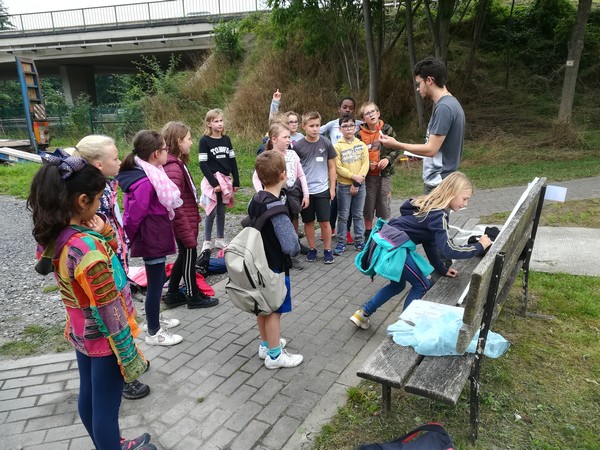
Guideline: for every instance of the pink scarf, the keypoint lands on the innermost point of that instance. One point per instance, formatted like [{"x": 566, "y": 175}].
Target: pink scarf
[{"x": 167, "y": 191}]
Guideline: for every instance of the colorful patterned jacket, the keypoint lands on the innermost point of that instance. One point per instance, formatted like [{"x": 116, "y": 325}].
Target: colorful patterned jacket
[
  {"x": 109, "y": 207},
  {"x": 94, "y": 289}
]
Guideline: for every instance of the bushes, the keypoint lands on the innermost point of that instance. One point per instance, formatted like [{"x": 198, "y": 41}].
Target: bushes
[
  {"x": 227, "y": 41},
  {"x": 537, "y": 34}
]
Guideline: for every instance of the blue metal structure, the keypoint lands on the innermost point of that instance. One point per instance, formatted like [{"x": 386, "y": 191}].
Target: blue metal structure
[{"x": 33, "y": 104}]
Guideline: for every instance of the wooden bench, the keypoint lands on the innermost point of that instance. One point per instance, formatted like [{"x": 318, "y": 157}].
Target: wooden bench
[{"x": 488, "y": 280}]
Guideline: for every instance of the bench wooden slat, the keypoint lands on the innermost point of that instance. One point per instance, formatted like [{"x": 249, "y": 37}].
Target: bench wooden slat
[
  {"x": 390, "y": 364},
  {"x": 511, "y": 242},
  {"x": 441, "y": 378}
]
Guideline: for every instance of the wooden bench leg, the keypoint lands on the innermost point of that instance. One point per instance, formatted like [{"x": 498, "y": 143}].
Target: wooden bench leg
[{"x": 386, "y": 399}]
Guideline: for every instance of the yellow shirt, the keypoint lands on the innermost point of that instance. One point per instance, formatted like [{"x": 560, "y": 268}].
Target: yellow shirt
[{"x": 352, "y": 159}]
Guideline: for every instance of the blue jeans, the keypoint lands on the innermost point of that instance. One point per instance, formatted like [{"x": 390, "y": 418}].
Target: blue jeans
[
  {"x": 155, "y": 274},
  {"x": 411, "y": 273},
  {"x": 350, "y": 205},
  {"x": 100, "y": 391}
]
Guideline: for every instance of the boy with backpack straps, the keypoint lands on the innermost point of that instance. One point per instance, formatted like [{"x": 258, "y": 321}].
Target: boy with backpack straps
[{"x": 252, "y": 287}]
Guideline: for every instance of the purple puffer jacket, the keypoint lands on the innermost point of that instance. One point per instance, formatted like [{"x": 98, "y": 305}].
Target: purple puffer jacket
[
  {"x": 187, "y": 218},
  {"x": 145, "y": 220}
]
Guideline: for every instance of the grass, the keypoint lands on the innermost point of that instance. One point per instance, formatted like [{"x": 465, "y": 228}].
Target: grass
[
  {"x": 542, "y": 394},
  {"x": 574, "y": 213},
  {"x": 36, "y": 340}
]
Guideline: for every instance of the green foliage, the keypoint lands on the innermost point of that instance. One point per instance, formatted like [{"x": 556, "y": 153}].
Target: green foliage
[
  {"x": 154, "y": 79},
  {"x": 537, "y": 34},
  {"x": 228, "y": 41},
  {"x": 10, "y": 94},
  {"x": 315, "y": 26},
  {"x": 52, "y": 92},
  {"x": 78, "y": 120},
  {"x": 5, "y": 23},
  {"x": 111, "y": 88}
]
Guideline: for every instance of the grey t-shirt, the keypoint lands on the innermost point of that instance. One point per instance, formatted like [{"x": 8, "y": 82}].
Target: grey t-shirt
[
  {"x": 447, "y": 119},
  {"x": 313, "y": 158}
]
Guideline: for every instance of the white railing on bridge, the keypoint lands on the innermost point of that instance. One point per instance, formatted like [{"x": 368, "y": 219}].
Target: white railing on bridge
[{"x": 117, "y": 16}]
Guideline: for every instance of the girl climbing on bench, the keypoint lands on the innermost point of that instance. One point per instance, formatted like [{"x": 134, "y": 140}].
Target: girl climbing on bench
[{"x": 425, "y": 221}]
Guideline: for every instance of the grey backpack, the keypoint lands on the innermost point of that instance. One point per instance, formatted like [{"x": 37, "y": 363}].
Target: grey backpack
[{"x": 252, "y": 285}]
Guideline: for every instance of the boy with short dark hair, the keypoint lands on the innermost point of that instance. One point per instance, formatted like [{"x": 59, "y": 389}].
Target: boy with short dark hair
[
  {"x": 281, "y": 243},
  {"x": 317, "y": 157},
  {"x": 352, "y": 165}
]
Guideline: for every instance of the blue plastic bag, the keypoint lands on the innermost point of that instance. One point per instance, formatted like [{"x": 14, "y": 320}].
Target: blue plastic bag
[{"x": 436, "y": 335}]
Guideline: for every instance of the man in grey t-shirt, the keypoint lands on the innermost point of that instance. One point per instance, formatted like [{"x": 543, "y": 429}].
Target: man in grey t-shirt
[{"x": 443, "y": 145}]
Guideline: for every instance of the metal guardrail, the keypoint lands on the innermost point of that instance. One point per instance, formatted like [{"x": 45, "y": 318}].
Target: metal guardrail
[{"x": 116, "y": 16}]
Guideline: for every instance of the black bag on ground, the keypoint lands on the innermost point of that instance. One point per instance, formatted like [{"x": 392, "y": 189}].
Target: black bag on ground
[
  {"x": 209, "y": 265},
  {"x": 431, "y": 436},
  {"x": 202, "y": 263}
]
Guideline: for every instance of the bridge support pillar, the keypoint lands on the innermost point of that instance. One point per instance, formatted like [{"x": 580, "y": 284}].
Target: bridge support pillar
[{"x": 77, "y": 80}]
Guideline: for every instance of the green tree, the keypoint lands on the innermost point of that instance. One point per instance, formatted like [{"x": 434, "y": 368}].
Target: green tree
[
  {"x": 228, "y": 41},
  {"x": 573, "y": 58},
  {"x": 5, "y": 23}
]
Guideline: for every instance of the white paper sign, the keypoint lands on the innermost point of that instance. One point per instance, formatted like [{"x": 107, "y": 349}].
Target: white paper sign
[
  {"x": 556, "y": 193},
  {"x": 412, "y": 155}
]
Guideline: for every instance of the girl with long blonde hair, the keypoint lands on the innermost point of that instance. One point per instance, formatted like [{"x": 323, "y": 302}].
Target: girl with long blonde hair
[{"x": 425, "y": 221}]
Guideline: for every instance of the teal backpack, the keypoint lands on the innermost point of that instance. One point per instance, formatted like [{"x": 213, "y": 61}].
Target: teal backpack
[{"x": 385, "y": 253}]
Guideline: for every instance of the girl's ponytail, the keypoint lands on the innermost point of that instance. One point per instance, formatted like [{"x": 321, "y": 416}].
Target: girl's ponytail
[
  {"x": 145, "y": 142},
  {"x": 48, "y": 203},
  {"x": 128, "y": 163}
]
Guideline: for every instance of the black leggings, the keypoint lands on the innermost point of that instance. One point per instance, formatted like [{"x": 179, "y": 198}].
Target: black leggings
[{"x": 184, "y": 266}]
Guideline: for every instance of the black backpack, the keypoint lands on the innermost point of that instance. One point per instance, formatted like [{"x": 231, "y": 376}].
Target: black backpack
[{"x": 431, "y": 436}]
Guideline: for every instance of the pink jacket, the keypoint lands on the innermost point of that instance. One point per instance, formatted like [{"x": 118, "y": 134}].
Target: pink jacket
[{"x": 208, "y": 199}]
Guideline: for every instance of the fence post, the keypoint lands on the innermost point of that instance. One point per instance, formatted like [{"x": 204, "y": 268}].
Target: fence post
[
  {"x": 149, "y": 15},
  {"x": 83, "y": 17},
  {"x": 183, "y": 8},
  {"x": 116, "y": 16},
  {"x": 52, "y": 20},
  {"x": 90, "y": 116},
  {"x": 21, "y": 20}
]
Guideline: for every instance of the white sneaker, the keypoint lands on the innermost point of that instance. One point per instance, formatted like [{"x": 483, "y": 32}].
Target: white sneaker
[
  {"x": 206, "y": 246},
  {"x": 360, "y": 319},
  {"x": 163, "y": 337},
  {"x": 285, "y": 359},
  {"x": 264, "y": 351},
  {"x": 164, "y": 322},
  {"x": 220, "y": 243}
]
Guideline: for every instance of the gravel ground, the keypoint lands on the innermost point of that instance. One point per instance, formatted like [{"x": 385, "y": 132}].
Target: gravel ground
[{"x": 23, "y": 300}]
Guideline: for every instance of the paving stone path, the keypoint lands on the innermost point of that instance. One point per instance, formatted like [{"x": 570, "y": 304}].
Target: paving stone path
[{"x": 212, "y": 391}]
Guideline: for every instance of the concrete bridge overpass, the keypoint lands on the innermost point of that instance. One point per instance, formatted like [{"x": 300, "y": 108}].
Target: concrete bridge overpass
[{"x": 80, "y": 43}]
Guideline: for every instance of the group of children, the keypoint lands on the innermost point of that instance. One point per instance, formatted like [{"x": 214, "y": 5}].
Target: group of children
[{"x": 78, "y": 223}]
